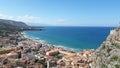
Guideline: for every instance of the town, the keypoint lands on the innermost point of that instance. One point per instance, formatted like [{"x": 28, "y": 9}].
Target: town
[{"x": 18, "y": 51}]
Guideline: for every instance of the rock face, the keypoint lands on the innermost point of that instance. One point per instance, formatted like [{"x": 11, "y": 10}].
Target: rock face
[{"x": 108, "y": 54}]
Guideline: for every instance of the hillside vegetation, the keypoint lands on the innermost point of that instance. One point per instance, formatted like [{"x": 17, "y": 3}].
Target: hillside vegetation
[
  {"x": 12, "y": 25},
  {"x": 108, "y": 54}
]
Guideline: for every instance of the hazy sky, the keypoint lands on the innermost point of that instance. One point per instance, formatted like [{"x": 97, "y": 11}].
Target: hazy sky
[{"x": 62, "y": 12}]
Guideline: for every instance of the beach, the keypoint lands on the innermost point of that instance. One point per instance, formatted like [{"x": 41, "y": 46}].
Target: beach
[
  {"x": 71, "y": 38},
  {"x": 50, "y": 52}
]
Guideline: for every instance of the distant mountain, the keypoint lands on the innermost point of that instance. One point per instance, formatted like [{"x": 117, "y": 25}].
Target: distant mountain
[
  {"x": 12, "y": 25},
  {"x": 15, "y": 25}
]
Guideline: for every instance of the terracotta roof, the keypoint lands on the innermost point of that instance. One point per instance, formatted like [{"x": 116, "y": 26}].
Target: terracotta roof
[
  {"x": 11, "y": 59},
  {"x": 2, "y": 55},
  {"x": 12, "y": 53},
  {"x": 22, "y": 60},
  {"x": 87, "y": 52},
  {"x": 49, "y": 57},
  {"x": 56, "y": 50}
]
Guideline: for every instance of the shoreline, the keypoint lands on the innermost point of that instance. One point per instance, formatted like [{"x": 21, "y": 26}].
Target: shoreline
[
  {"x": 33, "y": 53},
  {"x": 58, "y": 55},
  {"x": 45, "y": 44},
  {"x": 57, "y": 46}
]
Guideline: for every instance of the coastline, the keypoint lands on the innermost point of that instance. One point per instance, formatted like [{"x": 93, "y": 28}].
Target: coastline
[
  {"x": 56, "y": 46},
  {"x": 46, "y": 44},
  {"x": 76, "y": 39},
  {"x": 58, "y": 54},
  {"x": 18, "y": 50},
  {"x": 31, "y": 53}
]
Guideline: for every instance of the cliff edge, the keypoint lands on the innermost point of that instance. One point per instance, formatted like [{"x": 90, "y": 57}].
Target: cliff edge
[{"x": 108, "y": 54}]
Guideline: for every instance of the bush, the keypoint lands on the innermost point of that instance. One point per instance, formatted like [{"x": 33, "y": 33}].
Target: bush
[
  {"x": 1, "y": 46},
  {"x": 117, "y": 45},
  {"x": 41, "y": 62},
  {"x": 117, "y": 66},
  {"x": 114, "y": 58},
  {"x": 104, "y": 66},
  {"x": 119, "y": 60},
  {"x": 108, "y": 50},
  {"x": 58, "y": 57},
  {"x": 103, "y": 46}
]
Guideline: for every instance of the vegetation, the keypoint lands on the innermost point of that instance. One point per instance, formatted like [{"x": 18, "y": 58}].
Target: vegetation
[
  {"x": 10, "y": 25},
  {"x": 104, "y": 66},
  {"x": 103, "y": 46},
  {"x": 20, "y": 47},
  {"x": 112, "y": 42},
  {"x": 58, "y": 56},
  {"x": 1, "y": 46},
  {"x": 119, "y": 60},
  {"x": 117, "y": 45},
  {"x": 108, "y": 50},
  {"x": 117, "y": 66},
  {"x": 114, "y": 58},
  {"x": 42, "y": 62}
]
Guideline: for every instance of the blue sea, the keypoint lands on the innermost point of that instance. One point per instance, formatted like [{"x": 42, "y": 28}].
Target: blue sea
[{"x": 72, "y": 38}]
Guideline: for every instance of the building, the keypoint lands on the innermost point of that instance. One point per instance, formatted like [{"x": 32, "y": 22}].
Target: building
[
  {"x": 53, "y": 52},
  {"x": 12, "y": 55}
]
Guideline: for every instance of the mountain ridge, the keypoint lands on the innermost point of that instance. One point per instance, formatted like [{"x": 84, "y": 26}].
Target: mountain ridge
[{"x": 12, "y": 25}]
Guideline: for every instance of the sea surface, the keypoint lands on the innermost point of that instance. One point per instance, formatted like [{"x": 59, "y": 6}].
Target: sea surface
[{"x": 72, "y": 38}]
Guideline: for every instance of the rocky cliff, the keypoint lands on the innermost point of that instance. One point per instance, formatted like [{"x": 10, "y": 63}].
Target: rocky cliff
[{"x": 108, "y": 54}]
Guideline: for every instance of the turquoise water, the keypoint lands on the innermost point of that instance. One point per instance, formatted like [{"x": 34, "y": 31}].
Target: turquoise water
[{"x": 76, "y": 38}]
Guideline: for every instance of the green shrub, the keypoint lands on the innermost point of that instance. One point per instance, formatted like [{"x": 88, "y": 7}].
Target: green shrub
[
  {"x": 103, "y": 46},
  {"x": 108, "y": 50},
  {"x": 117, "y": 45},
  {"x": 58, "y": 57},
  {"x": 113, "y": 43},
  {"x": 1, "y": 46},
  {"x": 117, "y": 66},
  {"x": 104, "y": 66},
  {"x": 41, "y": 62},
  {"x": 114, "y": 58},
  {"x": 119, "y": 60}
]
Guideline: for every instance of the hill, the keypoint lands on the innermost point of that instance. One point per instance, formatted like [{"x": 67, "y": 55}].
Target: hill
[
  {"x": 108, "y": 54},
  {"x": 12, "y": 25}
]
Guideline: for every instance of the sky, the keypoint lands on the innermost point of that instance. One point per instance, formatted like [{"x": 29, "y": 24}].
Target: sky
[{"x": 62, "y": 12}]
